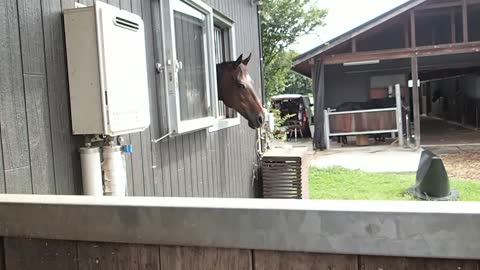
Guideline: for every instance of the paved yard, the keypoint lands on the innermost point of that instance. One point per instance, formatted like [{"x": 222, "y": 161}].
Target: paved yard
[{"x": 370, "y": 159}]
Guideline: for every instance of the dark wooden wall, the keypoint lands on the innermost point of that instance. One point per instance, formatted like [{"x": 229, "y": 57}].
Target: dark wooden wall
[
  {"x": 34, "y": 254},
  {"x": 39, "y": 155}
]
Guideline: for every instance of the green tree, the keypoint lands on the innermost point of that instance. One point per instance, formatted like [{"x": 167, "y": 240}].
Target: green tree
[
  {"x": 277, "y": 72},
  {"x": 280, "y": 78},
  {"x": 283, "y": 21},
  {"x": 297, "y": 84}
]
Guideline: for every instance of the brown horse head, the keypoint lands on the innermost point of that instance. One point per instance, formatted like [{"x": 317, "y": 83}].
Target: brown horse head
[{"x": 235, "y": 89}]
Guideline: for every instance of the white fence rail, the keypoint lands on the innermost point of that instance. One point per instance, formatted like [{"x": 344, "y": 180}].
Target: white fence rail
[{"x": 398, "y": 120}]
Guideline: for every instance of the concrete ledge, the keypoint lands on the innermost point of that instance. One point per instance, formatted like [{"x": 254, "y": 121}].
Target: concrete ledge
[{"x": 411, "y": 229}]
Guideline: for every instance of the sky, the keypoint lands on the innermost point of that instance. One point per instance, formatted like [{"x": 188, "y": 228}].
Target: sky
[{"x": 343, "y": 15}]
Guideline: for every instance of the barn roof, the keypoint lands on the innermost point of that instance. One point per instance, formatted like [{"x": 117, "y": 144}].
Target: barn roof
[{"x": 302, "y": 60}]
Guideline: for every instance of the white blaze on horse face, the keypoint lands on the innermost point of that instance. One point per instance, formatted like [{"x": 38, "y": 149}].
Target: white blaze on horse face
[{"x": 248, "y": 81}]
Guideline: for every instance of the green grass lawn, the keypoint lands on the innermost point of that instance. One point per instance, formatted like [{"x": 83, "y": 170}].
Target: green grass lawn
[{"x": 337, "y": 183}]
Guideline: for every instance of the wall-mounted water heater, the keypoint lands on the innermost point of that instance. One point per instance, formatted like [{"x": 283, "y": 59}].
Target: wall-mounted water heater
[{"x": 107, "y": 70}]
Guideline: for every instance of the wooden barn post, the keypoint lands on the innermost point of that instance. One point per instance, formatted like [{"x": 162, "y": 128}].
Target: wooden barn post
[{"x": 416, "y": 101}]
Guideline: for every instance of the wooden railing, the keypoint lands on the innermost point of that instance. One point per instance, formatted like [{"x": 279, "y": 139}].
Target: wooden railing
[
  {"x": 365, "y": 122},
  {"x": 75, "y": 232}
]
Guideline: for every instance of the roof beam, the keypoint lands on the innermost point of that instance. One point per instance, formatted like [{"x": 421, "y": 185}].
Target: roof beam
[
  {"x": 423, "y": 51},
  {"x": 447, "y": 4},
  {"x": 376, "y": 22}
]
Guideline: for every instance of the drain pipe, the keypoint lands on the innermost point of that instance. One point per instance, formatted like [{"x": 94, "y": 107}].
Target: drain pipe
[
  {"x": 114, "y": 169},
  {"x": 91, "y": 171}
]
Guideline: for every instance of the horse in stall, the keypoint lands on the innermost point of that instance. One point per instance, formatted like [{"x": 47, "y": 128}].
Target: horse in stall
[
  {"x": 368, "y": 105},
  {"x": 235, "y": 89}
]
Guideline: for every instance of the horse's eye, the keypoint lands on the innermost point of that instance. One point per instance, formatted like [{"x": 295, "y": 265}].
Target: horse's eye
[{"x": 241, "y": 85}]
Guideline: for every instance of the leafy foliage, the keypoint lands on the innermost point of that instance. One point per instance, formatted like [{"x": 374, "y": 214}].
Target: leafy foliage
[
  {"x": 283, "y": 21},
  {"x": 279, "y": 131},
  {"x": 297, "y": 84},
  {"x": 277, "y": 73}
]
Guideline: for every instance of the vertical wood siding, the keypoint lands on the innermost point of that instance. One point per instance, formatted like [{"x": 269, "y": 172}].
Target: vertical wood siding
[
  {"x": 41, "y": 254},
  {"x": 39, "y": 155}
]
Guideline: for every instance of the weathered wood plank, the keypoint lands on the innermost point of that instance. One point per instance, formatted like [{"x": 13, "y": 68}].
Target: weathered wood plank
[
  {"x": 206, "y": 172},
  {"x": 228, "y": 157},
  {"x": 26, "y": 254},
  {"x": 39, "y": 137},
  {"x": 266, "y": 260},
  {"x": 230, "y": 169},
  {"x": 126, "y": 4},
  {"x": 222, "y": 162},
  {"x": 202, "y": 174},
  {"x": 2, "y": 172},
  {"x": 13, "y": 122},
  {"x": 2, "y": 254},
  {"x": 160, "y": 151},
  {"x": 199, "y": 147},
  {"x": 242, "y": 160},
  {"x": 173, "y": 167},
  {"x": 180, "y": 167},
  {"x": 211, "y": 162},
  {"x": 19, "y": 180},
  {"x": 31, "y": 35},
  {"x": 187, "y": 258},
  {"x": 246, "y": 163},
  {"x": 146, "y": 160},
  {"x": 397, "y": 263},
  {"x": 371, "y": 262},
  {"x": 138, "y": 9},
  {"x": 218, "y": 165},
  {"x": 190, "y": 190},
  {"x": 107, "y": 256},
  {"x": 65, "y": 156},
  {"x": 239, "y": 169},
  {"x": 139, "y": 185},
  {"x": 215, "y": 166},
  {"x": 163, "y": 169},
  {"x": 114, "y": 2},
  {"x": 196, "y": 166}
]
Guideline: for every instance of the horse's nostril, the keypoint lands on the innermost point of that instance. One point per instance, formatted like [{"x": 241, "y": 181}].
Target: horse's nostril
[{"x": 260, "y": 119}]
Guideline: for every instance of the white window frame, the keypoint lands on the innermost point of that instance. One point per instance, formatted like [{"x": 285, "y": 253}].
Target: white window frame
[
  {"x": 229, "y": 26},
  {"x": 199, "y": 8}
]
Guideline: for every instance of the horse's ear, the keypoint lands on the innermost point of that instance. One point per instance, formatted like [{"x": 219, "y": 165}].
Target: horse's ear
[
  {"x": 238, "y": 61},
  {"x": 245, "y": 61}
]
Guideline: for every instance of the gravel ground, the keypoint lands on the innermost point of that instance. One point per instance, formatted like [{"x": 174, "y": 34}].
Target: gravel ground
[{"x": 464, "y": 165}]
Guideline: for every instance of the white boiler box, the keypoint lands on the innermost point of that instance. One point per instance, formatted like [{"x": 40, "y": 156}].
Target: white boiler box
[{"x": 107, "y": 70}]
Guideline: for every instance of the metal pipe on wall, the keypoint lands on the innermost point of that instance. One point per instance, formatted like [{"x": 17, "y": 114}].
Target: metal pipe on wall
[
  {"x": 91, "y": 171},
  {"x": 114, "y": 171}
]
